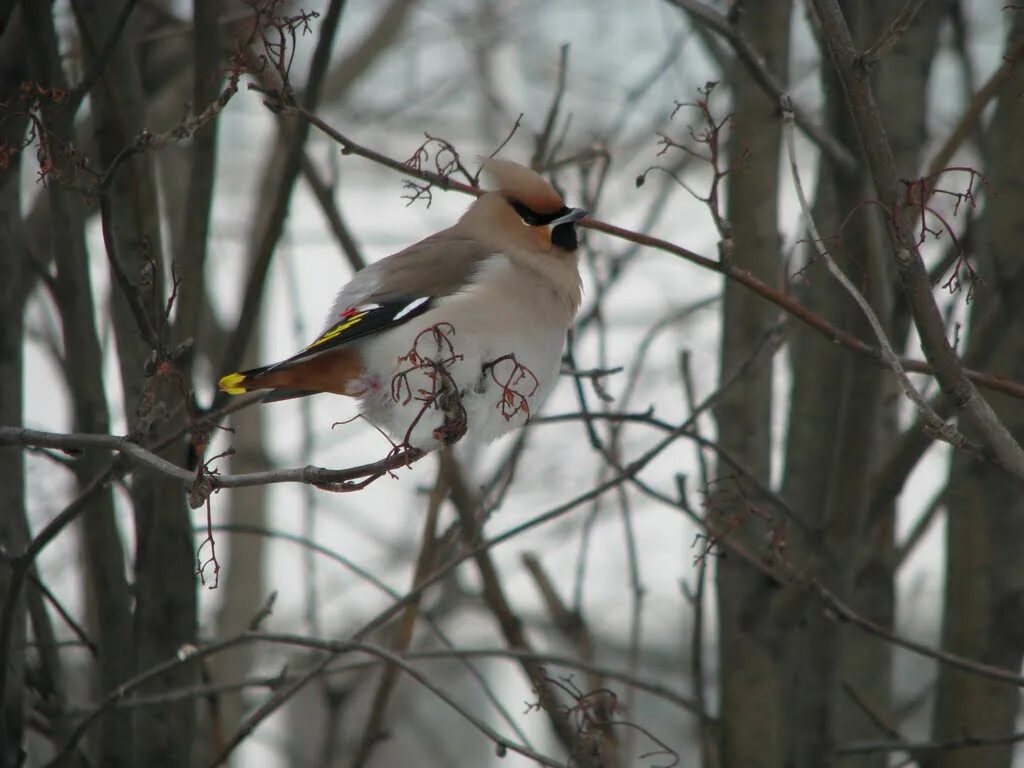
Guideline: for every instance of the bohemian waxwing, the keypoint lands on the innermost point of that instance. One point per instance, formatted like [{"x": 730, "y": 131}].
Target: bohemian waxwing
[{"x": 481, "y": 308}]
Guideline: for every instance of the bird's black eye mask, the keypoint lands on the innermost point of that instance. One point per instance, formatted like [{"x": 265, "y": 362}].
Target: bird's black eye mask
[
  {"x": 563, "y": 235},
  {"x": 534, "y": 219}
]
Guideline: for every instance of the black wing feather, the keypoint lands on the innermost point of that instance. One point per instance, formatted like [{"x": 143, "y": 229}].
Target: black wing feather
[{"x": 364, "y": 320}]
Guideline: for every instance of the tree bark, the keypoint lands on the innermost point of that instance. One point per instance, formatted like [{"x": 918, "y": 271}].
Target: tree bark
[
  {"x": 165, "y": 584},
  {"x": 14, "y": 532},
  {"x": 983, "y": 615},
  {"x": 108, "y": 592},
  {"x": 831, "y": 451},
  {"x": 244, "y": 582},
  {"x": 866, "y": 664},
  {"x": 751, "y": 689}
]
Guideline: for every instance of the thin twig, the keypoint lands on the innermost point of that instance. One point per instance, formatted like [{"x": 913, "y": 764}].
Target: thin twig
[
  {"x": 843, "y": 612},
  {"x": 913, "y": 277},
  {"x": 281, "y": 697},
  {"x": 402, "y": 637},
  {"x": 322, "y": 193},
  {"x": 965, "y": 742},
  {"x": 541, "y": 156},
  {"x": 893, "y": 33},
  {"x": 689, "y": 390},
  {"x": 63, "y": 612},
  {"x": 707, "y": 742},
  {"x": 100, "y": 59},
  {"x": 696, "y": 597},
  {"x": 344, "y": 479},
  {"x": 969, "y": 119},
  {"x": 920, "y": 527},
  {"x": 332, "y": 649},
  {"x": 943, "y": 429},
  {"x": 870, "y": 712},
  {"x": 754, "y": 62}
]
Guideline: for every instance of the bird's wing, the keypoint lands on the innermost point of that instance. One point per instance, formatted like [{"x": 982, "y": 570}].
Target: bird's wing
[
  {"x": 438, "y": 266},
  {"x": 386, "y": 294},
  {"x": 399, "y": 287},
  {"x": 376, "y": 315}
]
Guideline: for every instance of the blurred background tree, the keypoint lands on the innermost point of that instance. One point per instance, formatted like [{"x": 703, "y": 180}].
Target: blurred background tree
[{"x": 741, "y": 546}]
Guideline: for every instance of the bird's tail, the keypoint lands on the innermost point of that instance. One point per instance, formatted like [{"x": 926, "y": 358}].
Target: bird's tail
[
  {"x": 255, "y": 378},
  {"x": 336, "y": 372}
]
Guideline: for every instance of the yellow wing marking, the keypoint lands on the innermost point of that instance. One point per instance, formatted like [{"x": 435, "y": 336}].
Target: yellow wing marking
[{"x": 337, "y": 330}]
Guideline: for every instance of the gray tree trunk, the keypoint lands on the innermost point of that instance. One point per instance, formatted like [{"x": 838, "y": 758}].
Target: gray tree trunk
[
  {"x": 751, "y": 688},
  {"x": 108, "y": 592},
  {"x": 983, "y": 615},
  {"x": 831, "y": 451},
  {"x": 901, "y": 88},
  {"x": 14, "y": 533},
  {"x": 165, "y": 591},
  {"x": 244, "y": 577}
]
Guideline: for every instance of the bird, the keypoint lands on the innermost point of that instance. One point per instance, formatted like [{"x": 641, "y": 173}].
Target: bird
[{"x": 460, "y": 333}]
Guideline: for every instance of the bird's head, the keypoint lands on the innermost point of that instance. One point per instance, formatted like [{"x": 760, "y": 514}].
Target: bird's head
[{"x": 523, "y": 208}]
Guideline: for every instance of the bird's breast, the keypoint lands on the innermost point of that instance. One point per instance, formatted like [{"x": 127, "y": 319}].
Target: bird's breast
[{"x": 500, "y": 350}]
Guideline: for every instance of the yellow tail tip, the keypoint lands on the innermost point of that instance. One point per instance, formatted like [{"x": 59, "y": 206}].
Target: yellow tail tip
[{"x": 232, "y": 384}]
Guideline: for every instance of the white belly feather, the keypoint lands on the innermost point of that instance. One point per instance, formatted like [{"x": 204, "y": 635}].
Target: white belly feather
[{"x": 500, "y": 341}]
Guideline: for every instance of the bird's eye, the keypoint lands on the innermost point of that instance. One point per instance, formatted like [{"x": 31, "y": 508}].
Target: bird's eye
[
  {"x": 529, "y": 217},
  {"x": 534, "y": 219}
]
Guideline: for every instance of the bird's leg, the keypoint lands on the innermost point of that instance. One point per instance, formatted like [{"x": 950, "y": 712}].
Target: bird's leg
[{"x": 449, "y": 400}]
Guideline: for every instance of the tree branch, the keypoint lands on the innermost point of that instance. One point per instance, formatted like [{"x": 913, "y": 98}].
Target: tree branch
[
  {"x": 943, "y": 429},
  {"x": 969, "y": 119},
  {"x": 913, "y": 276},
  {"x": 281, "y": 697},
  {"x": 143, "y": 457},
  {"x": 281, "y": 182},
  {"x": 333, "y": 649},
  {"x": 754, "y": 62},
  {"x": 893, "y": 33}
]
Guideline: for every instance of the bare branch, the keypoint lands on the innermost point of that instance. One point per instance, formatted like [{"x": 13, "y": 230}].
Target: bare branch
[
  {"x": 893, "y": 33},
  {"x": 402, "y": 636},
  {"x": 339, "y": 479},
  {"x": 281, "y": 183},
  {"x": 753, "y": 61},
  {"x": 969, "y": 119},
  {"x": 909, "y": 266},
  {"x": 332, "y": 650},
  {"x": 914, "y": 748},
  {"x": 281, "y": 697},
  {"x": 944, "y": 430},
  {"x": 323, "y": 194},
  {"x": 542, "y": 153},
  {"x": 495, "y": 596}
]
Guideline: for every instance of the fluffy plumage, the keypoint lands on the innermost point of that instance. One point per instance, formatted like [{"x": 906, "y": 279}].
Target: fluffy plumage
[{"x": 480, "y": 309}]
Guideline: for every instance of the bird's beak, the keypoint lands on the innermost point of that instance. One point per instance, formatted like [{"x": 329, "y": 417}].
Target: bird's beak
[{"x": 571, "y": 217}]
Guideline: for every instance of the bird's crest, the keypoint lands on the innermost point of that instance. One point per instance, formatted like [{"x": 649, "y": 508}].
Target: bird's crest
[{"x": 520, "y": 183}]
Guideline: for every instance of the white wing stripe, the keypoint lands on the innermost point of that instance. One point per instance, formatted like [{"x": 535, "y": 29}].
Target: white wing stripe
[{"x": 411, "y": 307}]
